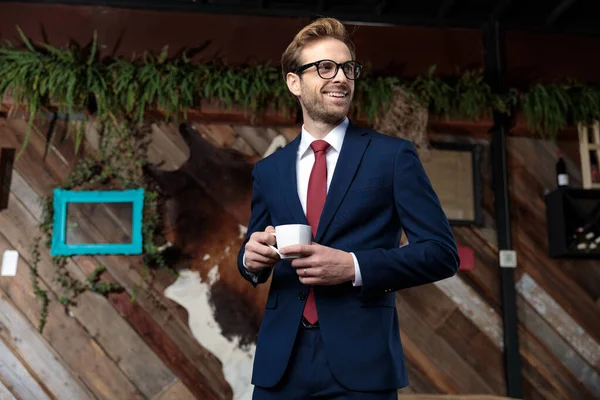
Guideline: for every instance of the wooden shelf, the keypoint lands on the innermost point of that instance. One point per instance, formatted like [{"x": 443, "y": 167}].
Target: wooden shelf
[{"x": 573, "y": 223}]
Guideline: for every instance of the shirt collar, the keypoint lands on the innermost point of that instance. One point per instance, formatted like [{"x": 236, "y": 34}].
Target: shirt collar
[{"x": 335, "y": 138}]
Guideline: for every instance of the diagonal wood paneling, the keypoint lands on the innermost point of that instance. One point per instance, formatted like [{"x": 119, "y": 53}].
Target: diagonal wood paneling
[
  {"x": 15, "y": 377},
  {"x": 451, "y": 330},
  {"x": 556, "y": 316}
]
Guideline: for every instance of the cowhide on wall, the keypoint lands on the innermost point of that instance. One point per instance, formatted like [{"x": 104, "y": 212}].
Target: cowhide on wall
[{"x": 208, "y": 203}]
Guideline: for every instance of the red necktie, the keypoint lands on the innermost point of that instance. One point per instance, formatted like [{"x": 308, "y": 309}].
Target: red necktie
[{"x": 317, "y": 193}]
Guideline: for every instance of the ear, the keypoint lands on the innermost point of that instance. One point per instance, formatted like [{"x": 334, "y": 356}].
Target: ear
[{"x": 293, "y": 83}]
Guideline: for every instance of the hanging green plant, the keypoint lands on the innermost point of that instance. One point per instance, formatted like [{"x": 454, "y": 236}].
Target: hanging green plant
[
  {"x": 474, "y": 98},
  {"x": 585, "y": 103},
  {"x": 434, "y": 93},
  {"x": 467, "y": 97},
  {"x": 546, "y": 108}
]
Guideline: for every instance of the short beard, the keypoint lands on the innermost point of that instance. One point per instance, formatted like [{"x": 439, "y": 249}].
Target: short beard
[{"x": 317, "y": 112}]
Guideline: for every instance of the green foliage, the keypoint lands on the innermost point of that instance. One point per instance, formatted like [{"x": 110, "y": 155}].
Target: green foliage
[
  {"x": 546, "y": 108},
  {"x": 585, "y": 103},
  {"x": 467, "y": 97},
  {"x": 75, "y": 80},
  {"x": 549, "y": 108},
  {"x": 434, "y": 93},
  {"x": 41, "y": 294},
  {"x": 373, "y": 95},
  {"x": 101, "y": 287}
]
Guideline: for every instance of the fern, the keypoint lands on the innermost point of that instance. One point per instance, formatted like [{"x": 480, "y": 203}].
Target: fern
[
  {"x": 546, "y": 108},
  {"x": 74, "y": 80}
]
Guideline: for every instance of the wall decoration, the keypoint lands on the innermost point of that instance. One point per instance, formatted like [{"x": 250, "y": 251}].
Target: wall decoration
[
  {"x": 10, "y": 259},
  {"x": 454, "y": 171},
  {"x": 64, "y": 198},
  {"x": 467, "y": 258},
  {"x": 7, "y": 157}
]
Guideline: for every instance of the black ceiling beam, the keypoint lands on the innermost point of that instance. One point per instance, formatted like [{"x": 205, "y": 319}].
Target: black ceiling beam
[
  {"x": 320, "y": 6},
  {"x": 380, "y": 7},
  {"x": 500, "y": 10},
  {"x": 559, "y": 10},
  {"x": 271, "y": 11},
  {"x": 445, "y": 7},
  {"x": 388, "y": 18}
]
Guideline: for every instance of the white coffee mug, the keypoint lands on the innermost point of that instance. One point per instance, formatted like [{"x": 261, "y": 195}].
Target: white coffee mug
[{"x": 287, "y": 235}]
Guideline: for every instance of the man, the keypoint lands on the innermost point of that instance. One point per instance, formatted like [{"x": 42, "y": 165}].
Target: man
[{"x": 330, "y": 328}]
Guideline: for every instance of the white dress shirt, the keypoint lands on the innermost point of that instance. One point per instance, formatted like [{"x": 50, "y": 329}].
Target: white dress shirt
[{"x": 304, "y": 162}]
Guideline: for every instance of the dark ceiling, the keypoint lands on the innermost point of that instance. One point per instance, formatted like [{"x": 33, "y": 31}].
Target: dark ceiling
[{"x": 549, "y": 16}]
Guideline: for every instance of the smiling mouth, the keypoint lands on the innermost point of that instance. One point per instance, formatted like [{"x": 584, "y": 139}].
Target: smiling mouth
[{"x": 338, "y": 95}]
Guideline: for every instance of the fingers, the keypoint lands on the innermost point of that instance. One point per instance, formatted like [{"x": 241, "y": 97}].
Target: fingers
[
  {"x": 265, "y": 237},
  {"x": 303, "y": 250},
  {"x": 308, "y": 274},
  {"x": 312, "y": 281},
  {"x": 255, "y": 261},
  {"x": 258, "y": 253},
  {"x": 258, "y": 259},
  {"x": 260, "y": 250}
]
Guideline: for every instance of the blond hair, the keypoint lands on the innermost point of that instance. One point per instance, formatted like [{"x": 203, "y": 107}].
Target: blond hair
[{"x": 319, "y": 29}]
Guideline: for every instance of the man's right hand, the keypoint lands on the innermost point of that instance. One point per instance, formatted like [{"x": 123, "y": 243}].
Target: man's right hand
[{"x": 257, "y": 251}]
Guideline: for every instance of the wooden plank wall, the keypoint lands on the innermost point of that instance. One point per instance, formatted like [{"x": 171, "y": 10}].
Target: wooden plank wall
[{"x": 112, "y": 348}]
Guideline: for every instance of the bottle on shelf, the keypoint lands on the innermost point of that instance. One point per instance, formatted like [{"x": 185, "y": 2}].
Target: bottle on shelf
[{"x": 562, "y": 178}]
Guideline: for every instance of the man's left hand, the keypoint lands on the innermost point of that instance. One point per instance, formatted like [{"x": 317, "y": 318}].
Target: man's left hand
[{"x": 321, "y": 265}]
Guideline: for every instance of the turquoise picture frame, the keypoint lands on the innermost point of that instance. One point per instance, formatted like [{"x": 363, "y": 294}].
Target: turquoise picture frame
[{"x": 63, "y": 197}]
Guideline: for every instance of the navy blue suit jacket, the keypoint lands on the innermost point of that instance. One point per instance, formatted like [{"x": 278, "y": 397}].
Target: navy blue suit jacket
[{"x": 379, "y": 187}]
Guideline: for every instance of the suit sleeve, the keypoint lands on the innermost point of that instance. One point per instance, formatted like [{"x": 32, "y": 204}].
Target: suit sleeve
[
  {"x": 431, "y": 254},
  {"x": 259, "y": 220}
]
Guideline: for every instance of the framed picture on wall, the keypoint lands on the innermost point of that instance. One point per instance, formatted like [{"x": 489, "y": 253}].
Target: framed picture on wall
[
  {"x": 119, "y": 221},
  {"x": 455, "y": 173}
]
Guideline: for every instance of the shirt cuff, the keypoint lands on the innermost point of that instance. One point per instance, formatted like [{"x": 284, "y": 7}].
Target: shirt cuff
[
  {"x": 251, "y": 274},
  {"x": 357, "y": 277}
]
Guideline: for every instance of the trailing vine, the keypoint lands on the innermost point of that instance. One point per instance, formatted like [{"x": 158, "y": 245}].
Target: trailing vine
[
  {"x": 119, "y": 97},
  {"x": 40, "y": 293},
  {"x": 69, "y": 81},
  {"x": 118, "y": 165}
]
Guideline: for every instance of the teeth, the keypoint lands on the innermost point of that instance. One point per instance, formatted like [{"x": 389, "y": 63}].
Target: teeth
[{"x": 336, "y": 94}]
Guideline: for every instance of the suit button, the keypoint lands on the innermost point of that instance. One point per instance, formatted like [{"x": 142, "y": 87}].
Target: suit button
[{"x": 301, "y": 296}]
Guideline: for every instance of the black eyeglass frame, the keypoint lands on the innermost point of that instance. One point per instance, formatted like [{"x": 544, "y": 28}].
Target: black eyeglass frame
[{"x": 358, "y": 66}]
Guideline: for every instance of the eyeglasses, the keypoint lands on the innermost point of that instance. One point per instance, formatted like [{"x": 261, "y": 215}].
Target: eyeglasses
[{"x": 327, "y": 69}]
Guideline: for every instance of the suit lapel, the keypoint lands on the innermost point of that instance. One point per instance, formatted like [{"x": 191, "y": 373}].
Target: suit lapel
[
  {"x": 354, "y": 145},
  {"x": 289, "y": 187}
]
